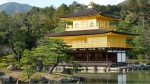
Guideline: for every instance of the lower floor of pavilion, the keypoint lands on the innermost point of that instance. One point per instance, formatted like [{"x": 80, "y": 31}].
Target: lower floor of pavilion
[{"x": 102, "y": 57}]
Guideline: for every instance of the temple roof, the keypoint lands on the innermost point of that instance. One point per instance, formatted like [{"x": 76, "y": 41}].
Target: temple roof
[
  {"x": 88, "y": 12},
  {"x": 86, "y": 32}
]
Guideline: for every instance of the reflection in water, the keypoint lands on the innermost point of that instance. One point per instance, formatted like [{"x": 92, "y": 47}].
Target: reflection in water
[
  {"x": 121, "y": 78},
  {"x": 131, "y": 77}
]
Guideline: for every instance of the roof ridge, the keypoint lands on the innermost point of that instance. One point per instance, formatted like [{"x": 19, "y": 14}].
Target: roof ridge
[{"x": 88, "y": 12}]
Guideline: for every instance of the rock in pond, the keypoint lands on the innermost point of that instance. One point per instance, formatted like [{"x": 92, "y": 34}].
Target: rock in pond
[
  {"x": 43, "y": 79},
  {"x": 8, "y": 79},
  {"x": 64, "y": 80},
  {"x": 72, "y": 79},
  {"x": 1, "y": 73},
  {"x": 66, "y": 71}
]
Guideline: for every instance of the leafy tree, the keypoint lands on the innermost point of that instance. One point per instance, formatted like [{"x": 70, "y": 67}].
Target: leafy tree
[
  {"x": 144, "y": 7},
  {"x": 29, "y": 70},
  {"x": 123, "y": 11},
  {"x": 133, "y": 15},
  {"x": 8, "y": 60},
  {"x": 145, "y": 22},
  {"x": 48, "y": 23},
  {"x": 33, "y": 29},
  {"x": 4, "y": 28},
  {"x": 16, "y": 35},
  {"x": 19, "y": 48},
  {"x": 72, "y": 7},
  {"x": 132, "y": 6},
  {"x": 146, "y": 42},
  {"x": 75, "y": 66},
  {"x": 124, "y": 26},
  {"x": 28, "y": 61},
  {"x": 55, "y": 52},
  {"x": 63, "y": 9},
  {"x": 61, "y": 26},
  {"x": 39, "y": 53}
]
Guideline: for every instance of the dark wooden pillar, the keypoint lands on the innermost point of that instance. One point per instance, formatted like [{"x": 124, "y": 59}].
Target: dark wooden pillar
[
  {"x": 87, "y": 58},
  {"x": 107, "y": 56}
]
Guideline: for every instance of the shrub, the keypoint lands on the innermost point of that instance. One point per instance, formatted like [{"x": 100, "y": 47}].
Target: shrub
[
  {"x": 28, "y": 70},
  {"x": 135, "y": 61},
  {"x": 2, "y": 65},
  {"x": 148, "y": 63}
]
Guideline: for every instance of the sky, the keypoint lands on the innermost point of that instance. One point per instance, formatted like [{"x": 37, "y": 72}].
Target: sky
[{"x": 57, "y": 3}]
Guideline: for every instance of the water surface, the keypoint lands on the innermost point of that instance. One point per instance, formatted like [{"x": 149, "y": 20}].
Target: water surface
[{"x": 130, "y": 77}]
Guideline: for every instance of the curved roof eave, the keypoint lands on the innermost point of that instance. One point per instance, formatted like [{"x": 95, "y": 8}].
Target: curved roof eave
[
  {"x": 88, "y": 12},
  {"x": 87, "y": 32}
]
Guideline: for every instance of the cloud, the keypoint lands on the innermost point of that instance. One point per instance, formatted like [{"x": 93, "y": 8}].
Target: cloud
[
  {"x": 101, "y": 2},
  {"x": 119, "y": 1},
  {"x": 4, "y": 1},
  {"x": 95, "y": 1}
]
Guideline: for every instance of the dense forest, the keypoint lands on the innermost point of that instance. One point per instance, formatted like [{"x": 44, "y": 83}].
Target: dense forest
[{"x": 20, "y": 32}]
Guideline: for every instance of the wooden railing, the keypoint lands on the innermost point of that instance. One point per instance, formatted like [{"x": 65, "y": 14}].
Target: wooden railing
[
  {"x": 90, "y": 45},
  {"x": 86, "y": 27},
  {"x": 112, "y": 27},
  {"x": 89, "y": 63},
  {"x": 96, "y": 63},
  {"x": 81, "y": 27},
  {"x": 99, "y": 45}
]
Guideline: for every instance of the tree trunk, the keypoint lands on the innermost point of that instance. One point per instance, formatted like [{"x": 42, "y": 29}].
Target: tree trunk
[
  {"x": 52, "y": 68},
  {"x": 39, "y": 66}
]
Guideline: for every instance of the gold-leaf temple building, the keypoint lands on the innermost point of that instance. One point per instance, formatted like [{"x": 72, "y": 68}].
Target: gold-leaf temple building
[{"x": 94, "y": 41}]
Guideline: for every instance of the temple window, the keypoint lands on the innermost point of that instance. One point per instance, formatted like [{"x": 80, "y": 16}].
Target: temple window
[
  {"x": 92, "y": 24},
  {"x": 76, "y": 25}
]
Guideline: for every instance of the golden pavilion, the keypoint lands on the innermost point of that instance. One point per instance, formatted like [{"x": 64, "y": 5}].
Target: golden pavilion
[{"x": 94, "y": 41}]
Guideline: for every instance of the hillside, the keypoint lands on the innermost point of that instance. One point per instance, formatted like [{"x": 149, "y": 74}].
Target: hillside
[
  {"x": 12, "y": 7},
  {"x": 126, "y": 1}
]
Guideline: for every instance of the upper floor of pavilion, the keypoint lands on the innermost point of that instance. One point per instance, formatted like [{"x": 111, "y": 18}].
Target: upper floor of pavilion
[{"x": 88, "y": 19}]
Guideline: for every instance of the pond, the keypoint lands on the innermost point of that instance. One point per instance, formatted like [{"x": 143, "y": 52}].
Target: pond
[{"x": 130, "y": 77}]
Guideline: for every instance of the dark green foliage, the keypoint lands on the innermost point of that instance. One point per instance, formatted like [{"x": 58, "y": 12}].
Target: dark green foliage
[
  {"x": 136, "y": 21},
  {"x": 53, "y": 52},
  {"x": 61, "y": 26},
  {"x": 75, "y": 7},
  {"x": 28, "y": 58},
  {"x": 29, "y": 70},
  {"x": 28, "y": 61},
  {"x": 1, "y": 53},
  {"x": 110, "y": 9},
  {"x": 132, "y": 6},
  {"x": 48, "y": 21},
  {"x": 5, "y": 61},
  {"x": 75, "y": 66},
  {"x": 4, "y": 28},
  {"x": 49, "y": 51}
]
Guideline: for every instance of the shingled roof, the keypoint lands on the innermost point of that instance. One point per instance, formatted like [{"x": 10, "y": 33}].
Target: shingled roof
[
  {"x": 86, "y": 32},
  {"x": 88, "y": 12}
]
